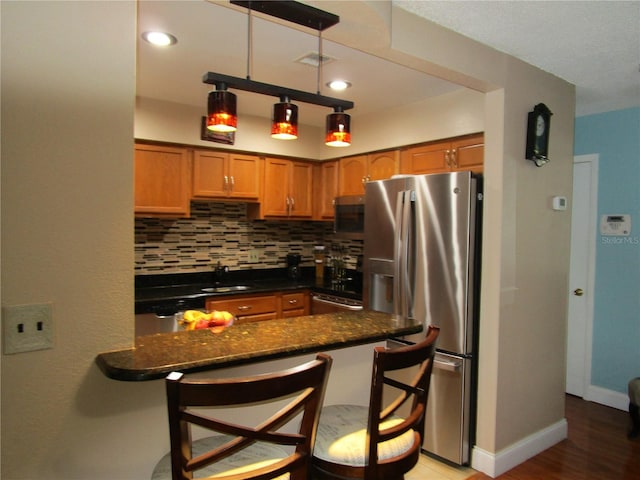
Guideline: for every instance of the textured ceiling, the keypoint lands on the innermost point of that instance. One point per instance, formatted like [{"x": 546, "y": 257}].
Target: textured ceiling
[{"x": 593, "y": 44}]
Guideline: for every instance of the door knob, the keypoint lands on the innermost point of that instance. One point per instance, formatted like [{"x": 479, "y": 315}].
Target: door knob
[{"x": 578, "y": 292}]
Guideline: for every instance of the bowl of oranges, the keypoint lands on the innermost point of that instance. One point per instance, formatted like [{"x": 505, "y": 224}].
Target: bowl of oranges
[{"x": 215, "y": 321}]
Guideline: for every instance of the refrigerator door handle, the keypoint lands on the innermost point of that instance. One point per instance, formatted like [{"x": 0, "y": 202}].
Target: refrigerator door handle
[
  {"x": 397, "y": 255},
  {"x": 402, "y": 288},
  {"x": 448, "y": 365}
]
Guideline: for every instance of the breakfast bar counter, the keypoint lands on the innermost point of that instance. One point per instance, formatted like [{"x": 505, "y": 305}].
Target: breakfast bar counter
[{"x": 154, "y": 356}]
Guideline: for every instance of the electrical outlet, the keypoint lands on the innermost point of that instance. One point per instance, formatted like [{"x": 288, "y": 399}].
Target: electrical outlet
[
  {"x": 27, "y": 328},
  {"x": 254, "y": 256}
]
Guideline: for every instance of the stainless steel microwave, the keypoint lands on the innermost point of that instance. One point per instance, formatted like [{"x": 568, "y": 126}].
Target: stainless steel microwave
[{"x": 349, "y": 216}]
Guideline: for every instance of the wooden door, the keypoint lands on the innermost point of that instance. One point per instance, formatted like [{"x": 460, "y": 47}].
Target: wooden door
[
  {"x": 468, "y": 153},
  {"x": 431, "y": 158},
  {"x": 382, "y": 165},
  {"x": 301, "y": 190},
  {"x": 276, "y": 187},
  {"x": 244, "y": 176},
  {"x": 327, "y": 189},
  {"x": 353, "y": 172},
  {"x": 161, "y": 181},
  {"x": 210, "y": 176}
]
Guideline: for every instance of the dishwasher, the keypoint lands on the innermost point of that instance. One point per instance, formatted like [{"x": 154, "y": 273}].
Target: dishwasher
[
  {"x": 325, "y": 303},
  {"x": 162, "y": 316}
]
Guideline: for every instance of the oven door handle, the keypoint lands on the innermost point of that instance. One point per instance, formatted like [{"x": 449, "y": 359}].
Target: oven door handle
[{"x": 355, "y": 308}]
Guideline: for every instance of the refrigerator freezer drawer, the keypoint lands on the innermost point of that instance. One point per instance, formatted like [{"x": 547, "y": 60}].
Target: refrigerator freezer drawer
[{"x": 447, "y": 426}]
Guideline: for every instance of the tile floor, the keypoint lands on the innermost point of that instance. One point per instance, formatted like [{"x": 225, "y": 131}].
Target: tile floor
[{"x": 431, "y": 469}]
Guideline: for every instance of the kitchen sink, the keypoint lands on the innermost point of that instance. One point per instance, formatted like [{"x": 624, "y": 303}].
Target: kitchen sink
[{"x": 226, "y": 288}]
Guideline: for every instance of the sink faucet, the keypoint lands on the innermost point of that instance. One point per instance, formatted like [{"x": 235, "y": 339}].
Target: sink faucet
[{"x": 220, "y": 271}]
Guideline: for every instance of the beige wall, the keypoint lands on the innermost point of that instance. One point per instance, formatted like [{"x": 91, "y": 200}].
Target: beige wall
[
  {"x": 176, "y": 123},
  {"x": 456, "y": 113},
  {"x": 68, "y": 100}
]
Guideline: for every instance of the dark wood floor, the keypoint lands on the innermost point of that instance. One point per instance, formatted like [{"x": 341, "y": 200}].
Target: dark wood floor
[{"x": 597, "y": 448}]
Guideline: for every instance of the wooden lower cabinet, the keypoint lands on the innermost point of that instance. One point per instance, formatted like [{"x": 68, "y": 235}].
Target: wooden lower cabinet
[
  {"x": 294, "y": 304},
  {"x": 256, "y": 308},
  {"x": 246, "y": 308}
]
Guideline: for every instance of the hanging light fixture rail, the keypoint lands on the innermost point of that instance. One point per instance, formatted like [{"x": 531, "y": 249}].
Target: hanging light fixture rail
[
  {"x": 222, "y": 115},
  {"x": 294, "y": 12},
  {"x": 246, "y": 85}
]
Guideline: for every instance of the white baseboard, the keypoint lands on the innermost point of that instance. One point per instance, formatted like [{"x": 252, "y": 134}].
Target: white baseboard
[
  {"x": 496, "y": 464},
  {"x": 610, "y": 398}
]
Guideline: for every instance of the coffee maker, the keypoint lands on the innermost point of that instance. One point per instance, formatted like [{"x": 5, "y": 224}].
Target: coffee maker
[{"x": 293, "y": 265}]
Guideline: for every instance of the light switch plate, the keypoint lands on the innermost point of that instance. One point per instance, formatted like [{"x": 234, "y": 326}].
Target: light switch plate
[
  {"x": 26, "y": 328},
  {"x": 254, "y": 256}
]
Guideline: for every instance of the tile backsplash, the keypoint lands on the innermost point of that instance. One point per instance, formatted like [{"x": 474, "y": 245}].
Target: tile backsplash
[{"x": 221, "y": 232}]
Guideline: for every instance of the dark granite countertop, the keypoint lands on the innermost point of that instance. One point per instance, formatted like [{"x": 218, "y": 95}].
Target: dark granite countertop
[
  {"x": 154, "y": 356},
  {"x": 167, "y": 293}
]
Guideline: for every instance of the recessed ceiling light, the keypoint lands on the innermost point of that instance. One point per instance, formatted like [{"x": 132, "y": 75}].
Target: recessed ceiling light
[
  {"x": 338, "y": 85},
  {"x": 160, "y": 39}
]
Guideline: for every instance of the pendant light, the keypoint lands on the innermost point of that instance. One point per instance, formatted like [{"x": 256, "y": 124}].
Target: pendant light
[
  {"x": 222, "y": 116},
  {"x": 221, "y": 111},
  {"x": 338, "y": 132},
  {"x": 284, "y": 124}
]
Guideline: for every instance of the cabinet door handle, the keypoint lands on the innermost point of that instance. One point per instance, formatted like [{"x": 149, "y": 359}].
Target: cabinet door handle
[
  {"x": 447, "y": 157},
  {"x": 293, "y": 302},
  {"x": 226, "y": 183},
  {"x": 364, "y": 180},
  {"x": 233, "y": 182},
  {"x": 454, "y": 160},
  {"x": 244, "y": 308}
]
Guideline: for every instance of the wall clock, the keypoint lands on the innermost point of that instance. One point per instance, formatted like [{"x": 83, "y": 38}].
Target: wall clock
[{"x": 538, "y": 125}]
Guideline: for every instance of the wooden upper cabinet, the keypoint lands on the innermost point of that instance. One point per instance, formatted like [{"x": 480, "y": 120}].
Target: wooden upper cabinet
[
  {"x": 353, "y": 173},
  {"x": 161, "y": 181},
  {"x": 468, "y": 153},
  {"x": 226, "y": 175},
  {"x": 325, "y": 189},
  {"x": 288, "y": 189},
  {"x": 301, "y": 189},
  {"x": 465, "y": 153},
  {"x": 357, "y": 170},
  {"x": 382, "y": 165},
  {"x": 431, "y": 158}
]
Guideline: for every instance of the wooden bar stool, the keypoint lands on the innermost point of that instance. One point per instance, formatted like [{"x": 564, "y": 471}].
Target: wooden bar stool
[
  {"x": 375, "y": 442},
  {"x": 241, "y": 451}
]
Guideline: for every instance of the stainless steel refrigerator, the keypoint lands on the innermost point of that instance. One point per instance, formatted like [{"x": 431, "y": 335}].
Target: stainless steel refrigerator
[{"x": 421, "y": 260}]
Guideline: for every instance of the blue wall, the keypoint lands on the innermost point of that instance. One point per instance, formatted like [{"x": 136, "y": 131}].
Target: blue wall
[{"x": 615, "y": 136}]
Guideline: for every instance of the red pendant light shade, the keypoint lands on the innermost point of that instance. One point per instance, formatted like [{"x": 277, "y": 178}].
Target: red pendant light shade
[
  {"x": 222, "y": 116},
  {"x": 284, "y": 124},
  {"x": 338, "y": 133}
]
